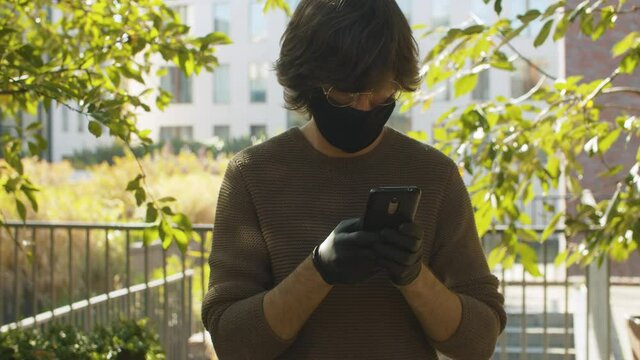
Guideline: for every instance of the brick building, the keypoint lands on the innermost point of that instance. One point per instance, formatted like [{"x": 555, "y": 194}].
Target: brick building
[{"x": 593, "y": 60}]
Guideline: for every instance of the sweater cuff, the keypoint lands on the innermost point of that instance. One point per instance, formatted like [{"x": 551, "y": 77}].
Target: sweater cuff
[
  {"x": 476, "y": 335},
  {"x": 247, "y": 334}
]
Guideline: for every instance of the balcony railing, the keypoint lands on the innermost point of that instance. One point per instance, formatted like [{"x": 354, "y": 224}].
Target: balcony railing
[{"x": 89, "y": 274}]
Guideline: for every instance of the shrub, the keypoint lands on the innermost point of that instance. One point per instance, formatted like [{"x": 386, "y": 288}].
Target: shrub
[
  {"x": 107, "y": 154},
  {"x": 123, "y": 340}
]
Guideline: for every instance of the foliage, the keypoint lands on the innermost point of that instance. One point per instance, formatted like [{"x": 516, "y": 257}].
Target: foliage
[
  {"x": 510, "y": 147},
  {"x": 84, "y": 55},
  {"x": 94, "y": 195},
  {"x": 122, "y": 340},
  {"x": 108, "y": 154},
  {"x": 128, "y": 340}
]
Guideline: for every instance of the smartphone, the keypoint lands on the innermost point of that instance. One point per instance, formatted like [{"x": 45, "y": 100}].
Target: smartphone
[{"x": 390, "y": 206}]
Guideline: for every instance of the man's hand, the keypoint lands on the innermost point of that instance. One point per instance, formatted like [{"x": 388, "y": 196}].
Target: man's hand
[
  {"x": 347, "y": 256},
  {"x": 400, "y": 252}
]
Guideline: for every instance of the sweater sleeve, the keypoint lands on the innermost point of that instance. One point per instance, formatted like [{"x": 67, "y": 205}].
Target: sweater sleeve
[
  {"x": 232, "y": 310},
  {"x": 459, "y": 262}
]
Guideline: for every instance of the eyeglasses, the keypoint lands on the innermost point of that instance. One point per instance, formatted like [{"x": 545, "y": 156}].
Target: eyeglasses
[{"x": 385, "y": 95}]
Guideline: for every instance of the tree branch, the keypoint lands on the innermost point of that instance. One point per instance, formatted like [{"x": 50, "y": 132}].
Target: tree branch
[
  {"x": 619, "y": 107},
  {"x": 622, "y": 89},
  {"x": 527, "y": 60},
  {"x": 631, "y": 10},
  {"x": 13, "y": 92},
  {"x": 506, "y": 41}
]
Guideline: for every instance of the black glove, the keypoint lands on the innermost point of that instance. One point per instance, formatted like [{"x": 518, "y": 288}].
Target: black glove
[
  {"x": 347, "y": 256},
  {"x": 400, "y": 252}
]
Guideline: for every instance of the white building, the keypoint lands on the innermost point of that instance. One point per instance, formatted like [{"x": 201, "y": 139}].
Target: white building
[{"x": 242, "y": 97}]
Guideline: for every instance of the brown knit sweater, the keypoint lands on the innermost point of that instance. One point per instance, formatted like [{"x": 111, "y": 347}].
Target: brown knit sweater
[{"x": 281, "y": 198}]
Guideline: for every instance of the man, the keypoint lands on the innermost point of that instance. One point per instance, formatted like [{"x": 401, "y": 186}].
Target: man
[{"x": 293, "y": 274}]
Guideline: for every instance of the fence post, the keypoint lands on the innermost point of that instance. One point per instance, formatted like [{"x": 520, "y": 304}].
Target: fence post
[{"x": 599, "y": 344}]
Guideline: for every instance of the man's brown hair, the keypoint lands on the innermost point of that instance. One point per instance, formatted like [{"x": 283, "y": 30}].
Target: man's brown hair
[{"x": 349, "y": 44}]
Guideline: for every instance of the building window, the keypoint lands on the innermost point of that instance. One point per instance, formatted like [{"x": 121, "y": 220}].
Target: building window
[
  {"x": 405, "y": 6},
  {"x": 170, "y": 133},
  {"x": 177, "y": 84},
  {"x": 482, "y": 91},
  {"x": 80, "y": 123},
  {"x": 440, "y": 12},
  {"x": 222, "y": 132},
  {"x": 257, "y": 22},
  {"x": 400, "y": 122},
  {"x": 524, "y": 78},
  {"x": 258, "y": 131},
  {"x": 183, "y": 13},
  {"x": 483, "y": 12},
  {"x": 520, "y": 7},
  {"x": 65, "y": 119},
  {"x": 221, "y": 85},
  {"x": 443, "y": 91},
  {"x": 295, "y": 119},
  {"x": 222, "y": 18},
  {"x": 258, "y": 82}
]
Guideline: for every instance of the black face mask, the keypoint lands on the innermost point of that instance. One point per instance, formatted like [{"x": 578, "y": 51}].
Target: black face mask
[{"x": 346, "y": 128}]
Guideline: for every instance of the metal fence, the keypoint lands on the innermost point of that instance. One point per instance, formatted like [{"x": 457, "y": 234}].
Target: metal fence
[
  {"x": 88, "y": 274},
  {"x": 92, "y": 274}
]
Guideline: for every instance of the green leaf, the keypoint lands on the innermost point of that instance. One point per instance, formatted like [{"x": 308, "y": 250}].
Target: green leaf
[
  {"x": 605, "y": 143},
  {"x": 544, "y": 33},
  {"x": 131, "y": 73},
  {"x": 553, "y": 166},
  {"x": 182, "y": 221},
  {"x": 612, "y": 172},
  {"x": 529, "y": 16},
  {"x": 152, "y": 213},
  {"x": 33, "y": 149},
  {"x": 551, "y": 10},
  {"x": 629, "y": 41},
  {"x": 31, "y": 197},
  {"x": 499, "y": 60},
  {"x": 529, "y": 259},
  {"x": 95, "y": 128},
  {"x": 551, "y": 227},
  {"x": 561, "y": 28},
  {"x": 561, "y": 258},
  {"x": 141, "y": 196},
  {"x": 34, "y": 126},
  {"x": 27, "y": 52},
  {"x": 167, "y": 199},
  {"x": 527, "y": 234},
  {"x": 465, "y": 84},
  {"x": 167, "y": 210},
  {"x": 166, "y": 234},
  {"x": 496, "y": 256},
  {"x": 580, "y": 9},
  {"x": 629, "y": 63},
  {"x": 446, "y": 115},
  {"x": 474, "y": 29},
  {"x": 182, "y": 240},
  {"x": 498, "y": 7},
  {"x": 573, "y": 258},
  {"x": 150, "y": 235},
  {"x": 22, "y": 210},
  {"x": 134, "y": 184}
]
